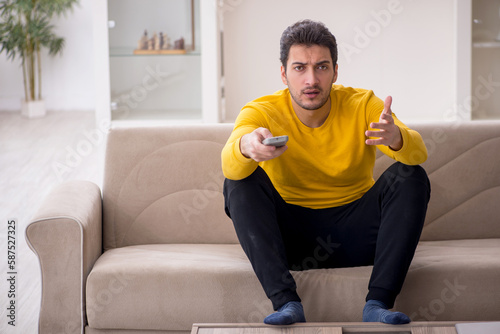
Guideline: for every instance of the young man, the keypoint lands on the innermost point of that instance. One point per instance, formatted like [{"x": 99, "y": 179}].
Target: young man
[{"x": 320, "y": 185}]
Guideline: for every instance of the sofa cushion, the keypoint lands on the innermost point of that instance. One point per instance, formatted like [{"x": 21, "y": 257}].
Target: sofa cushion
[{"x": 172, "y": 286}]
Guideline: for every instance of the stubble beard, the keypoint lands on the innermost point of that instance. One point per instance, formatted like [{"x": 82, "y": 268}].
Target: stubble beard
[{"x": 296, "y": 97}]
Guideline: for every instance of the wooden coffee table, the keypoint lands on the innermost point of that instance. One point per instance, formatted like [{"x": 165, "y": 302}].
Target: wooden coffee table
[{"x": 328, "y": 328}]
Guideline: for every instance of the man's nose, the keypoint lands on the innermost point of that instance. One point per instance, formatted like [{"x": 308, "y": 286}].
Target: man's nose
[{"x": 311, "y": 77}]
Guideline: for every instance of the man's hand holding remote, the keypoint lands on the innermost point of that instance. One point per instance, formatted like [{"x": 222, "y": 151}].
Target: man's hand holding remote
[{"x": 251, "y": 146}]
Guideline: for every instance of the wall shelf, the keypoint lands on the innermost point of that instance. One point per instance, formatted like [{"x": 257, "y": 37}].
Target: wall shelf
[
  {"x": 486, "y": 44},
  {"x": 159, "y": 52},
  {"x": 129, "y": 52}
]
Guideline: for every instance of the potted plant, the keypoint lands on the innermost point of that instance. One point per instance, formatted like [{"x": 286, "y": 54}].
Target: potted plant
[{"x": 25, "y": 30}]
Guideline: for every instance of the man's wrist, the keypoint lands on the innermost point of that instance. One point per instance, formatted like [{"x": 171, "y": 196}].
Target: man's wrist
[
  {"x": 241, "y": 151},
  {"x": 399, "y": 143}
]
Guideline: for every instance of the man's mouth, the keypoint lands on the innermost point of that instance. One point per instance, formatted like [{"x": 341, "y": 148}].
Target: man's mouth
[{"x": 311, "y": 93}]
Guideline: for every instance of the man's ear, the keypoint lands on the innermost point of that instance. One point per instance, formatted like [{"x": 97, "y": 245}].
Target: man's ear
[
  {"x": 335, "y": 76},
  {"x": 283, "y": 75}
]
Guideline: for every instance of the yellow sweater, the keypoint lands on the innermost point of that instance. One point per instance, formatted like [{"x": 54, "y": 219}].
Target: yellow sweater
[{"x": 325, "y": 166}]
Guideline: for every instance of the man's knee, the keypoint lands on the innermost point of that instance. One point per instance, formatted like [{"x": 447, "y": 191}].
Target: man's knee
[
  {"x": 400, "y": 174},
  {"x": 253, "y": 186},
  {"x": 402, "y": 171},
  {"x": 259, "y": 176}
]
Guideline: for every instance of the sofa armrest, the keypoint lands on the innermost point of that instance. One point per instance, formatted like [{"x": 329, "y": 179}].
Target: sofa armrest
[{"x": 66, "y": 235}]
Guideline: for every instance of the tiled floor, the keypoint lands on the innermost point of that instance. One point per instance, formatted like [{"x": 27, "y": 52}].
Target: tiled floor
[{"x": 36, "y": 155}]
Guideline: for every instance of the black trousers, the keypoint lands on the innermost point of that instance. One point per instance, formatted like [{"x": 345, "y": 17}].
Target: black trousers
[{"x": 381, "y": 229}]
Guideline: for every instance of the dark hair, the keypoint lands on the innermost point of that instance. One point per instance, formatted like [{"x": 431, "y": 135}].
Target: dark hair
[{"x": 308, "y": 33}]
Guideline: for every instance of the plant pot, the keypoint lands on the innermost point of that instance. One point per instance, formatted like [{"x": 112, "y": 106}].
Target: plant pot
[{"x": 33, "y": 109}]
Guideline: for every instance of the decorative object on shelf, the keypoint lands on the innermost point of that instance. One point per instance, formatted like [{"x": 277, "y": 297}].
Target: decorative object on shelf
[
  {"x": 165, "y": 41},
  {"x": 156, "y": 41},
  {"x": 159, "y": 44},
  {"x": 151, "y": 43},
  {"x": 25, "y": 29},
  {"x": 179, "y": 44},
  {"x": 143, "y": 42}
]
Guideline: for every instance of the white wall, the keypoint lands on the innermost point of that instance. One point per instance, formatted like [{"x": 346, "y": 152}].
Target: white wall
[
  {"x": 409, "y": 54},
  {"x": 412, "y": 58},
  {"x": 68, "y": 80}
]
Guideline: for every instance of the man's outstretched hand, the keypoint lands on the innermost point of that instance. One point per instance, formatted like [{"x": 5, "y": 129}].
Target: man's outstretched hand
[
  {"x": 251, "y": 146},
  {"x": 388, "y": 133}
]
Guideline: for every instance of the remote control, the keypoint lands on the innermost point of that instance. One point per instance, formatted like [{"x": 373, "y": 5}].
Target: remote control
[{"x": 276, "y": 141}]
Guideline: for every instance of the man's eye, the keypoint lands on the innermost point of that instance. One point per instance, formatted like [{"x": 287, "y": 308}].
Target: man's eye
[
  {"x": 299, "y": 68},
  {"x": 323, "y": 67}
]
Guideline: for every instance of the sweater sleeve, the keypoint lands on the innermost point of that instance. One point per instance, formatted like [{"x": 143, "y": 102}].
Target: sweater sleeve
[
  {"x": 413, "y": 151},
  {"x": 235, "y": 165}
]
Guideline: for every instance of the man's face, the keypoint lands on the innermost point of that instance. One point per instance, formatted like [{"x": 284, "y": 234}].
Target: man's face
[{"x": 309, "y": 75}]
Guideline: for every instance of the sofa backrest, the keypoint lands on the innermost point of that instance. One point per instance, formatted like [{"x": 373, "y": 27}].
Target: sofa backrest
[
  {"x": 164, "y": 184},
  {"x": 463, "y": 165}
]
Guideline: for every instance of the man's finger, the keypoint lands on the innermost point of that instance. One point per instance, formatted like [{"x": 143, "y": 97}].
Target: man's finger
[
  {"x": 381, "y": 126},
  {"x": 281, "y": 149},
  {"x": 376, "y": 141},
  {"x": 386, "y": 114},
  {"x": 387, "y": 106},
  {"x": 386, "y": 117},
  {"x": 264, "y": 132},
  {"x": 376, "y": 134}
]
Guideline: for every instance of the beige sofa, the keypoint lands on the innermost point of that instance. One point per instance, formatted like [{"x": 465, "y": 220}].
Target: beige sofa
[{"x": 158, "y": 253}]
